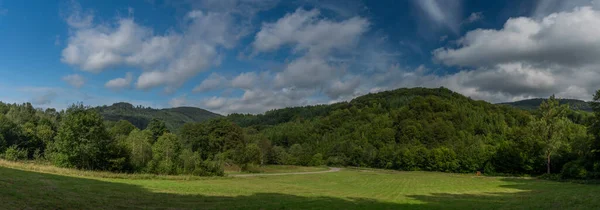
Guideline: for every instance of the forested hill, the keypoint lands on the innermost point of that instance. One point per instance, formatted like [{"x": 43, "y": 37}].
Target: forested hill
[
  {"x": 388, "y": 100},
  {"x": 141, "y": 116},
  {"x": 533, "y": 104}
]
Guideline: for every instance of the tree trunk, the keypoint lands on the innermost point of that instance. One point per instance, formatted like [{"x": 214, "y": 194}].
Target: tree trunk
[{"x": 548, "y": 163}]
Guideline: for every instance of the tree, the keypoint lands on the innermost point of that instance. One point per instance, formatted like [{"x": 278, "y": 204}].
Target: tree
[
  {"x": 122, "y": 127},
  {"x": 165, "y": 154},
  {"x": 551, "y": 126},
  {"x": 595, "y": 128},
  {"x": 157, "y": 127},
  {"x": 246, "y": 155},
  {"x": 82, "y": 140},
  {"x": 140, "y": 149}
]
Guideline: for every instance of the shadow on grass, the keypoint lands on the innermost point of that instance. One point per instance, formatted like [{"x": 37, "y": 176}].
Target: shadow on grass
[{"x": 30, "y": 190}]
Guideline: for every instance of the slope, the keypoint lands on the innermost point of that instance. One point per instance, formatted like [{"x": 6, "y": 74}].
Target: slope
[{"x": 141, "y": 116}]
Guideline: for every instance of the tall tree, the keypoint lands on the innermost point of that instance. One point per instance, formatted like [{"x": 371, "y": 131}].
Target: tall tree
[
  {"x": 595, "y": 127},
  {"x": 82, "y": 140},
  {"x": 157, "y": 127},
  {"x": 551, "y": 126}
]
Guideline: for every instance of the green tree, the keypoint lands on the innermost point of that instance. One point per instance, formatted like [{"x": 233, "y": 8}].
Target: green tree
[
  {"x": 140, "y": 149},
  {"x": 82, "y": 140},
  {"x": 551, "y": 126},
  {"x": 246, "y": 155},
  {"x": 165, "y": 154},
  {"x": 157, "y": 127},
  {"x": 122, "y": 127}
]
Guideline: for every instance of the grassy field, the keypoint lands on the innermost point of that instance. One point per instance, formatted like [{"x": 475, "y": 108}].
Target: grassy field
[
  {"x": 268, "y": 169},
  {"x": 44, "y": 187}
]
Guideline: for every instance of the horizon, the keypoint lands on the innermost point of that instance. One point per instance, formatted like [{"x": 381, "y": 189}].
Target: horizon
[
  {"x": 251, "y": 56},
  {"x": 348, "y": 101}
]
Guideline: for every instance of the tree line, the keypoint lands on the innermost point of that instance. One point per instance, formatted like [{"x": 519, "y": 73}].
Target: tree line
[{"x": 403, "y": 129}]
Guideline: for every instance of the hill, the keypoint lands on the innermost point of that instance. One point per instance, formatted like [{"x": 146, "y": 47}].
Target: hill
[
  {"x": 141, "y": 116},
  {"x": 533, "y": 104}
]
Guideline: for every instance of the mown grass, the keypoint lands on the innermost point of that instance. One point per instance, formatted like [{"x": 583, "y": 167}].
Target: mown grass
[
  {"x": 267, "y": 169},
  {"x": 21, "y": 188}
]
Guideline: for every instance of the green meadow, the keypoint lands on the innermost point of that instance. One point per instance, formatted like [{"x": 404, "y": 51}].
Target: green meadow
[{"x": 31, "y": 186}]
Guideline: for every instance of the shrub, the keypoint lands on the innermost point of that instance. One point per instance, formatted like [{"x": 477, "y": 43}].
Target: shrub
[
  {"x": 13, "y": 153},
  {"x": 336, "y": 161},
  {"x": 574, "y": 170},
  {"x": 316, "y": 160},
  {"x": 209, "y": 168}
]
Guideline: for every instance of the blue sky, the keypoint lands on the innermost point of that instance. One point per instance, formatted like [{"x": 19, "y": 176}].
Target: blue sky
[{"x": 255, "y": 55}]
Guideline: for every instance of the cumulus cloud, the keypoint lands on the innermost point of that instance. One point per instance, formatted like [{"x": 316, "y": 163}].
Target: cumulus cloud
[
  {"x": 167, "y": 59},
  {"x": 528, "y": 57},
  {"x": 74, "y": 80},
  {"x": 120, "y": 83},
  {"x": 565, "y": 38},
  {"x": 319, "y": 49},
  {"x": 246, "y": 80},
  {"x": 307, "y": 31},
  {"x": 179, "y": 101},
  {"x": 212, "y": 82},
  {"x": 341, "y": 88}
]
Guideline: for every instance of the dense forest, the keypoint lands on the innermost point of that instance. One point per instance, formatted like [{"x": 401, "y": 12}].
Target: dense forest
[
  {"x": 141, "y": 116},
  {"x": 534, "y": 104},
  {"x": 403, "y": 129}
]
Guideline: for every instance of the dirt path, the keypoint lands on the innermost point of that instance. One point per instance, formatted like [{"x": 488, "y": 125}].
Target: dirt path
[{"x": 291, "y": 173}]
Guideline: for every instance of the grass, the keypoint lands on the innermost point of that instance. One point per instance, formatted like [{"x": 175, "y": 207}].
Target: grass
[
  {"x": 274, "y": 169},
  {"x": 24, "y": 186}
]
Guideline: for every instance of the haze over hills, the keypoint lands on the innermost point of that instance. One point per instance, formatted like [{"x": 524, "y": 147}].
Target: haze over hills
[
  {"x": 533, "y": 104},
  {"x": 141, "y": 116}
]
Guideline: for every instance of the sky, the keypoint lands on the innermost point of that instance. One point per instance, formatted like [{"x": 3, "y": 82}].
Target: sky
[{"x": 251, "y": 56}]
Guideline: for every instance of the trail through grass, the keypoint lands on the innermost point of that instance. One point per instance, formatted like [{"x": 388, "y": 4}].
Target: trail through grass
[{"x": 346, "y": 189}]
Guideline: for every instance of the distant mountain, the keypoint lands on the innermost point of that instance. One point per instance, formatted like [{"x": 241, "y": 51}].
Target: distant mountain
[
  {"x": 533, "y": 104},
  {"x": 141, "y": 116}
]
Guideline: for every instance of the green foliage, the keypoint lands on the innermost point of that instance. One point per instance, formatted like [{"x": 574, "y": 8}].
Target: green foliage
[
  {"x": 534, "y": 104},
  {"x": 122, "y": 127},
  {"x": 157, "y": 128},
  {"x": 142, "y": 116},
  {"x": 165, "y": 154},
  {"x": 246, "y": 155},
  {"x": 13, "y": 153},
  {"x": 574, "y": 170},
  {"x": 82, "y": 140},
  {"x": 140, "y": 148}
]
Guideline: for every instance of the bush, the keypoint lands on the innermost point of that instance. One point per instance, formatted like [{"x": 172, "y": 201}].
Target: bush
[
  {"x": 317, "y": 160},
  {"x": 13, "y": 153},
  {"x": 574, "y": 170},
  {"x": 336, "y": 161},
  {"x": 209, "y": 168}
]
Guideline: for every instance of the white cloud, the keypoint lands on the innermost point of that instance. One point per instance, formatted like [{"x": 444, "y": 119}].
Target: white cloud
[
  {"x": 528, "y": 57},
  {"x": 474, "y": 17},
  {"x": 120, "y": 83},
  {"x": 342, "y": 88},
  {"x": 167, "y": 59},
  {"x": 76, "y": 17},
  {"x": 212, "y": 82},
  {"x": 307, "y": 31},
  {"x": 74, "y": 80},
  {"x": 544, "y": 8},
  {"x": 566, "y": 38},
  {"x": 179, "y": 101},
  {"x": 246, "y": 80},
  {"x": 306, "y": 72}
]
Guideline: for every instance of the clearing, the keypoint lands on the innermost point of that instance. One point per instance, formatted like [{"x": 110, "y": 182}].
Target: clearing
[{"x": 30, "y": 186}]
